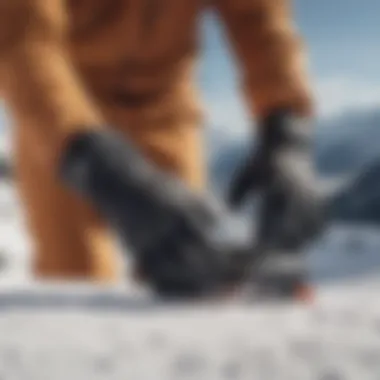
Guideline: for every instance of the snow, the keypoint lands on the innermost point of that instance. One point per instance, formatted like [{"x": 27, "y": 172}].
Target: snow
[
  {"x": 81, "y": 331},
  {"x": 14, "y": 244}
]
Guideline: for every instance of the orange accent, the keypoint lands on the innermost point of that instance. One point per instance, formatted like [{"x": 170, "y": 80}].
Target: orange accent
[{"x": 304, "y": 293}]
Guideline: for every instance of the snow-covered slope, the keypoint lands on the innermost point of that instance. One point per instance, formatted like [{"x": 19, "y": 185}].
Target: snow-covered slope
[
  {"x": 14, "y": 243},
  {"x": 337, "y": 338},
  {"x": 79, "y": 331}
]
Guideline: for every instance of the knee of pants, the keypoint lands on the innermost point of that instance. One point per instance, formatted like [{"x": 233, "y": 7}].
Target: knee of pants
[
  {"x": 178, "y": 151},
  {"x": 173, "y": 143}
]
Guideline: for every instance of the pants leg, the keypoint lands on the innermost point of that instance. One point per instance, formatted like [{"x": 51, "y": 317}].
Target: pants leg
[
  {"x": 69, "y": 237},
  {"x": 71, "y": 240}
]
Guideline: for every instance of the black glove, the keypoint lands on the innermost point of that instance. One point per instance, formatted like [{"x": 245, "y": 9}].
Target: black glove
[
  {"x": 280, "y": 171},
  {"x": 168, "y": 227}
]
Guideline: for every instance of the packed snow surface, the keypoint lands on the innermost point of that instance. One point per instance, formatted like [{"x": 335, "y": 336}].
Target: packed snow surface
[{"x": 79, "y": 331}]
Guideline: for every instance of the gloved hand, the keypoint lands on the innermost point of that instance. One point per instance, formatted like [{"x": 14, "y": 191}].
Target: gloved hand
[
  {"x": 280, "y": 172},
  {"x": 168, "y": 227}
]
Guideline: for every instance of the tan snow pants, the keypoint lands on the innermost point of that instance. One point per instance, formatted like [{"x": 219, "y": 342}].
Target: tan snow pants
[{"x": 66, "y": 65}]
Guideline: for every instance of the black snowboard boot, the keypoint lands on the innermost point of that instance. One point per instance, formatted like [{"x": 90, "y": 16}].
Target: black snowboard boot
[
  {"x": 168, "y": 228},
  {"x": 292, "y": 203}
]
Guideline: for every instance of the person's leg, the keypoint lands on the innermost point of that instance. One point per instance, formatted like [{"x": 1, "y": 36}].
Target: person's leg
[
  {"x": 153, "y": 104},
  {"x": 47, "y": 104},
  {"x": 70, "y": 241}
]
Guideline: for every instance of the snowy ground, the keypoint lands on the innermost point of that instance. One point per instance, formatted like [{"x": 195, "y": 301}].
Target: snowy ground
[{"x": 82, "y": 332}]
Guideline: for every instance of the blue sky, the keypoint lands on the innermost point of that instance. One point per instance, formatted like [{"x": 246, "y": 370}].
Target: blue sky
[
  {"x": 343, "y": 41},
  {"x": 343, "y": 38}
]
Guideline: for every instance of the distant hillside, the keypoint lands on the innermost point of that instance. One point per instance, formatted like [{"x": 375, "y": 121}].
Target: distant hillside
[
  {"x": 344, "y": 146},
  {"x": 347, "y": 143},
  {"x": 361, "y": 202}
]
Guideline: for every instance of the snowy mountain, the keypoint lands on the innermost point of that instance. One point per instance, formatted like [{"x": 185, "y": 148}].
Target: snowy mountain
[
  {"x": 346, "y": 143},
  {"x": 362, "y": 202},
  {"x": 345, "y": 147}
]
